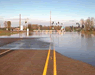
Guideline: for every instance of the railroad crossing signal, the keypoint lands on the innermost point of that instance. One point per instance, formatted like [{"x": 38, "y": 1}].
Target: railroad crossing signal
[{"x": 25, "y": 21}]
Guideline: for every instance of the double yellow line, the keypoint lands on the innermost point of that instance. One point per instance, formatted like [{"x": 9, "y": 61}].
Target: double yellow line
[{"x": 54, "y": 63}]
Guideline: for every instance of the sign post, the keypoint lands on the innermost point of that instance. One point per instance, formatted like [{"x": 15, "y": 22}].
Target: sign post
[
  {"x": 27, "y": 32},
  {"x": 21, "y": 28}
]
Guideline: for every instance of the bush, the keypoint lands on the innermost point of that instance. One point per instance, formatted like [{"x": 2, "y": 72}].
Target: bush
[{"x": 2, "y": 28}]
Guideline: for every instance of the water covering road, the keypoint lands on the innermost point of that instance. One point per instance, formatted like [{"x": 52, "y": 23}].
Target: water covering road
[
  {"x": 71, "y": 44},
  {"x": 27, "y": 44}
]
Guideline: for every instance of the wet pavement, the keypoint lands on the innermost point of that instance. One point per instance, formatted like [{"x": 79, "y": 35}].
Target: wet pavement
[{"x": 27, "y": 44}]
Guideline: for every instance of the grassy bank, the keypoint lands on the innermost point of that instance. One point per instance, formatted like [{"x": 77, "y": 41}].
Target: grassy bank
[{"x": 8, "y": 33}]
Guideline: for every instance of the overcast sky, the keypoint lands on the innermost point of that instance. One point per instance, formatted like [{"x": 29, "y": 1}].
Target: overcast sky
[{"x": 38, "y": 11}]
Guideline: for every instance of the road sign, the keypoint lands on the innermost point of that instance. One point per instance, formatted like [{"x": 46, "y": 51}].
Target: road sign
[{"x": 62, "y": 28}]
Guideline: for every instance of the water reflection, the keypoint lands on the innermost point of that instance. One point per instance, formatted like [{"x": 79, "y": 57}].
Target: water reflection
[
  {"x": 77, "y": 46},
  {"x": 87, "y": 35},
  {"x": 79, "y": 33},
  {"x": 82, "y": 35}
]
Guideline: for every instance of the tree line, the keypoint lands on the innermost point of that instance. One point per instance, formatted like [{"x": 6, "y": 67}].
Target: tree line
[
  {"x": 88, "y": 23},
  {"x": 32, "y": 27},
  {"x": 41, "y": 27}
]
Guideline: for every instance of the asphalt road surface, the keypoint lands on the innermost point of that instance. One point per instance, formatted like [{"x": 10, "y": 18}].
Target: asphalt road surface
[
  {"x": 23, "y": 62},
  {"x": 32, "y": 62}
]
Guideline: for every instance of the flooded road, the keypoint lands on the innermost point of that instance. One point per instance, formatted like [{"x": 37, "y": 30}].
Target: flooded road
[
  {"x": 71, "y": 44},
  {"x": 27, "y": 44}
]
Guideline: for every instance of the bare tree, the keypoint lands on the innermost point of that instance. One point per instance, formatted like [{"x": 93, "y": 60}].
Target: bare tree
[
  {"x": 9, "y": 25},
  {"x": 87, "y": 24},
  {"x": 5, "y": 24},
  {"x": 92, "y": 21},
  {"x": 89, "y": 21},
  {"x": 82, "y": 21}
]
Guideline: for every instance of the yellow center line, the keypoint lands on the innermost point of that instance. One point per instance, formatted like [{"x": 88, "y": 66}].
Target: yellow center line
[
  {"x": 46, "y": 64},
  {"x": 54, "y": 63},
  {"x": 54, "y": 60}
]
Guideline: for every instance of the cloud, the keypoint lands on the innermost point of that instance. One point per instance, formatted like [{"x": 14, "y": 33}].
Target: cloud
[{"x": 15, "y": 22}]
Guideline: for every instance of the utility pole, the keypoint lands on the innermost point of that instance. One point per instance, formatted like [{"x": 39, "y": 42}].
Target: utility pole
[
  {"x": 20, "y": 20},
  {"x": 50, "y": 18}
]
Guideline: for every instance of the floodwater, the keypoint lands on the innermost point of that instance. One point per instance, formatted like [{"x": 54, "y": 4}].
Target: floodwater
[{"x": 71, "y": 44}]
